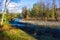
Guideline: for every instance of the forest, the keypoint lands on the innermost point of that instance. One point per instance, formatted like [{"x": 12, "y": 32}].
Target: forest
[{"x": 42, "y": 11}]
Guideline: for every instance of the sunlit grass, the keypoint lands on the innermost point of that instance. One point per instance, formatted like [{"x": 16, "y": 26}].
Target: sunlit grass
[{"x": 10, "y": 33}]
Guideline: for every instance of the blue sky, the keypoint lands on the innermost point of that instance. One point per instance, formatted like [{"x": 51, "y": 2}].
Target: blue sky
[
  {"x": 17, "y": 5},
  {"x": 27, "y": 3}
]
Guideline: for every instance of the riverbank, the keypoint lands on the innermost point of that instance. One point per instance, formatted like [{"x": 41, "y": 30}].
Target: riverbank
[
  {"x": 43, "y": 23},
  {"x": 8, "y": 32}
]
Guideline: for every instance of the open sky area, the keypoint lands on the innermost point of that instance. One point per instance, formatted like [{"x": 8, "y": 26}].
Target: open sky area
[{"x": 17, "y": 5}]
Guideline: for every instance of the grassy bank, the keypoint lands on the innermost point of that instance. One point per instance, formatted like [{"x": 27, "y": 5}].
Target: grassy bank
[{"x": 8, "y": 32}]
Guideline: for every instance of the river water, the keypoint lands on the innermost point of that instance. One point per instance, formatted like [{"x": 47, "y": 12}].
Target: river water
[{"x": 39, "y": 32}]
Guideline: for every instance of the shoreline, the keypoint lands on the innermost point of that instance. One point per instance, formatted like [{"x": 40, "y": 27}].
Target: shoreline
[{"x": 43, "y": 23}]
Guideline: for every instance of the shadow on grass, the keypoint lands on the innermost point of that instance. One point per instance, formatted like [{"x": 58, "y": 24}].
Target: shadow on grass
[{"x": 40, "y": 32}]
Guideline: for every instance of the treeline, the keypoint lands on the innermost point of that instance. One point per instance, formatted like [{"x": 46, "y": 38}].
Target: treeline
[{"x": 41, "y": 11}]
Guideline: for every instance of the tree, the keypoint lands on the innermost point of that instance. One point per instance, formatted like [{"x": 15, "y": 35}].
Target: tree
[
  {"x": 48, "y": 9},
  {"x": 5, "y": 10},
  {"x": 3, "y": 13},
  {"x": 24, "y": 12},
  {"x": 54, "y": 9},
  {"x": 43, "y": 9},
  {"x": 35, "y": 10},
  {"x": 28, "y": 14}
]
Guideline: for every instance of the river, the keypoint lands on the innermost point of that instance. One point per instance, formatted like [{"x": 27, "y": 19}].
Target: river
[{"x": 39, "y": 32}]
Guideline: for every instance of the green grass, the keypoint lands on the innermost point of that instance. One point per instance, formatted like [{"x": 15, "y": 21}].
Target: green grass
[{"x": 9, "y": 33}]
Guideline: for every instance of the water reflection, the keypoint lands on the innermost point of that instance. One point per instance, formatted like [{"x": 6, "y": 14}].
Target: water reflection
[{"x": 39, "y": 32}]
